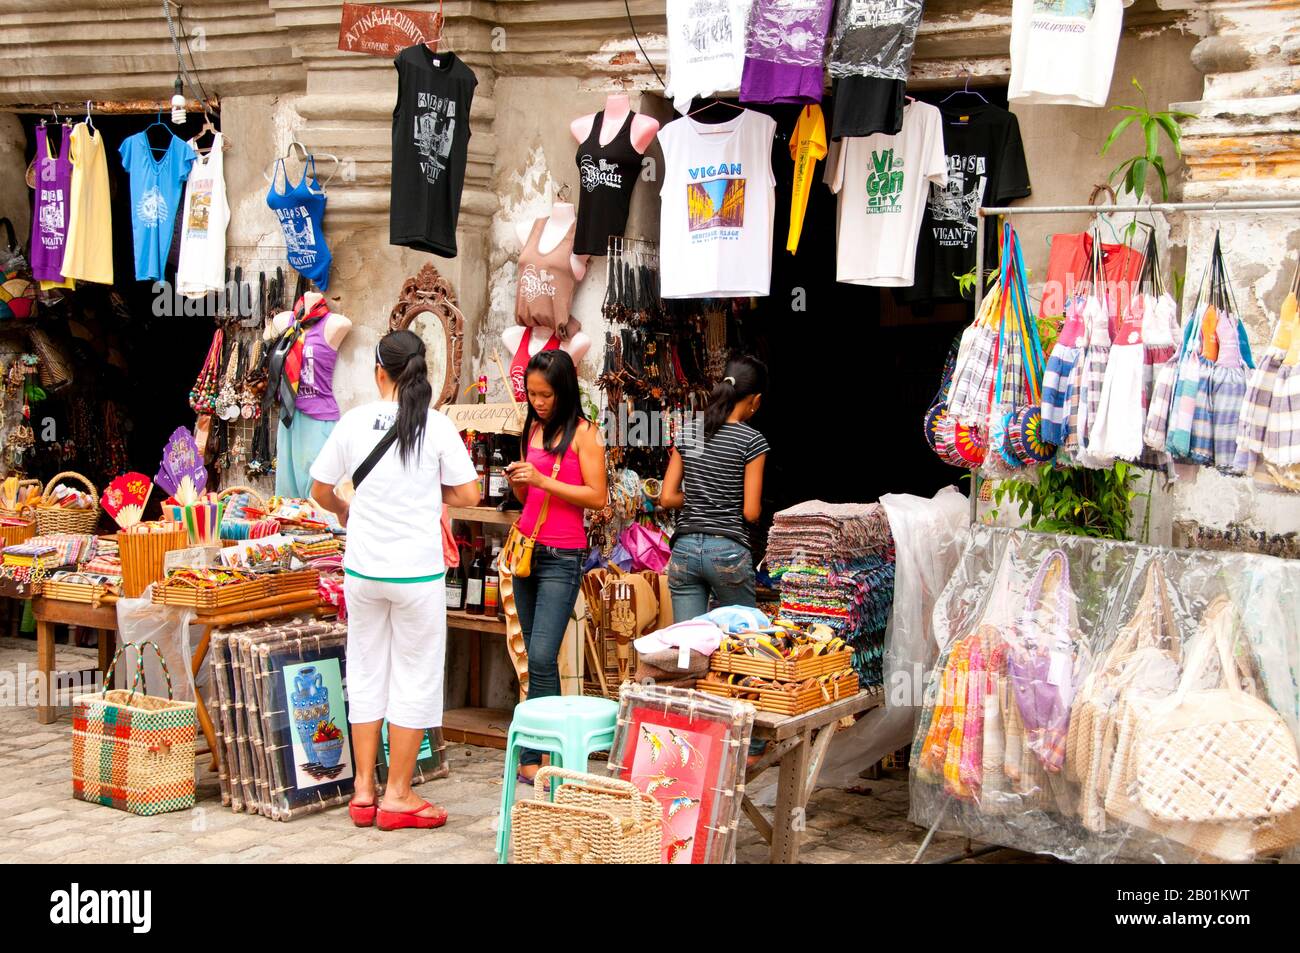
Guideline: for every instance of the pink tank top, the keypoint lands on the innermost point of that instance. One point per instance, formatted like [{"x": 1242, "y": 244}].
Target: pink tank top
[{"x": 563, "y": 528}]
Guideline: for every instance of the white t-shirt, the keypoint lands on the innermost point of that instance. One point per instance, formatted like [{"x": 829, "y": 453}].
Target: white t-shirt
[
  {"x": 394, "y": 527},
  {"x": 1063, "y": 51},
  {"x": 717, "y": 207},
  {"x": 883, "y": 183},
  {"x": 205, "y": 214},
  {"x": 706, "y": 48}
]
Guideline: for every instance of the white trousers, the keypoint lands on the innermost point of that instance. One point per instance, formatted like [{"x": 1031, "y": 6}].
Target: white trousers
[{"x": 397, "y": 645}]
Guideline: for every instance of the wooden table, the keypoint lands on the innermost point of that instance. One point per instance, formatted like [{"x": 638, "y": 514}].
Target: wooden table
[
  {"x": 52, "y": 612},
  {"x": 797, "y": 746}
]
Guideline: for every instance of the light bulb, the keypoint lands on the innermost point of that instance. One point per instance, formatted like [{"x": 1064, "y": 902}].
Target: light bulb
[{"x": 178, "y": 104}]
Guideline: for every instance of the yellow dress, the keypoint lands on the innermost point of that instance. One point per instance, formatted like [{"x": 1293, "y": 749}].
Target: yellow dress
[{"x": 89, "y": 252}]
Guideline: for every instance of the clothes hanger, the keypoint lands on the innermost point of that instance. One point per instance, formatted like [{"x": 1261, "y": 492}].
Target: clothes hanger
[
  {"x": 965, "y": 91},
  {"x": 710, "y": 105},
  {"x": 208, "y": 127},
  {"x": 439, "y": 22},
  {"x": 158, "y": 122},
  {"x": 90, "y": 122}
]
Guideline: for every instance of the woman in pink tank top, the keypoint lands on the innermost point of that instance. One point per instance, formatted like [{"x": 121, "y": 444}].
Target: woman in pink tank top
[{"x": 556, "y": 429}]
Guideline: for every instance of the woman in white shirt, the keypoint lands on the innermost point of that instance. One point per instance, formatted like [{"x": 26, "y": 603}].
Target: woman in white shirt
[{"x": 393, "y": 568}]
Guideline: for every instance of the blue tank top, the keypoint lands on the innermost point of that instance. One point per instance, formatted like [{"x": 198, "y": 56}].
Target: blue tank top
[{"x": 301, "y": 210}]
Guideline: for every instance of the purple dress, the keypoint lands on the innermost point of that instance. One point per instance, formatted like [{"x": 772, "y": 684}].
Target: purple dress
[
  {"x": 50, "y": 215},
  {"x": 784, "y": 51}
]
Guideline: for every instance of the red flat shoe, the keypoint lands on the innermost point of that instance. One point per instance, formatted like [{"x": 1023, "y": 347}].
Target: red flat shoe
[
  {"x": 396, "y": 820},
  {"x": 363, "y": 815}
]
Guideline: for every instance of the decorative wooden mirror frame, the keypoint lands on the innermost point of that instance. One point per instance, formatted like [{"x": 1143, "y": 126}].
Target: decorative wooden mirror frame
[{"x": 427, "y": 306}]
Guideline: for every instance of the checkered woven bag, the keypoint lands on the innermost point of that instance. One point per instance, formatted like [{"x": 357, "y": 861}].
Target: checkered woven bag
[
  {"x": 133, "y": 751},
  {"x": 1219, "y": 754}
]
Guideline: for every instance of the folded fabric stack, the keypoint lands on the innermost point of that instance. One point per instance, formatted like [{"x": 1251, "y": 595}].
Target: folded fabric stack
[
  {"x": 52, "y": 552},
  {"x": 106, "y": 561},
  {"x": 835, "y": 565},
  {"x": 316, "y": 546}
]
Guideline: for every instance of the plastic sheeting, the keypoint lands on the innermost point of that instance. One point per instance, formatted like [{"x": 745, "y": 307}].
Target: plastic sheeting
[
  {"x": 790, "y": 32},
  {"x": 874, "y": 38},
  {"x": 139, "y": 620},
  {"x": 1078, "y": 676}
]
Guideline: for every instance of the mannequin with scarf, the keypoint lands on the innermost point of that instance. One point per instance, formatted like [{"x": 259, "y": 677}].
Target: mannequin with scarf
[{"x": 301, "y": 376}]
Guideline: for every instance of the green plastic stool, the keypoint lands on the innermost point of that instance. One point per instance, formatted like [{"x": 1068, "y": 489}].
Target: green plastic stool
[{"x": 569, "y": 727}]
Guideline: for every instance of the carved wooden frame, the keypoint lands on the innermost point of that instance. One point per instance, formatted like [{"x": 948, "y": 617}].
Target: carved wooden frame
[{"x": 429, "y": 292}]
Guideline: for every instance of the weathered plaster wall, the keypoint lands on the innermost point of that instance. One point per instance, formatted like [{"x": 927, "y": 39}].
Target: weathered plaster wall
[{"x": 15, "y": 197}]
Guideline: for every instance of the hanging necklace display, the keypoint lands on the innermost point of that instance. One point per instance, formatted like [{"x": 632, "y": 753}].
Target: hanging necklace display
[
  {"x": 227, "y": 404},
  {"x": 203, "y": 396}
]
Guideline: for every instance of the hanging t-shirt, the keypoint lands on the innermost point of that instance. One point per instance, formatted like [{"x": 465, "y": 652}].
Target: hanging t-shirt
[
  {"x": 202, "y": 266},
  {"x": 301, "y": 212},
  {"x": 607, "y": 175},
  {"x": 883, "y": 182},
  {"x": 393, "y": 519},
  {"x": 807, "y": 145},
  {"x": 1063, "y": 51},
  {"x": 784, "y": 49},
  {"x": 156, "y": 183},
  {"x": 986, "y": 166},
  {"x": 866, "y": 105},
  {"x": 875, "y": 38},
  {"x": 718, "y": 206},
  {"x": 89, "y": 252},
  {"x": 50, "y": 212},
  {"x": 706, "y": 48},
  {"x": 430, "y": 148}
]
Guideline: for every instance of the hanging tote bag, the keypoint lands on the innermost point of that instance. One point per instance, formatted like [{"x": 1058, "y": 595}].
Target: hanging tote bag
[
  {"x": 939, "y": 403},
  {"x": 133, "y": 751},
  {"x": 1042, "y": 661},
  {"x": 1217, "y": 754},
  {"x": 1257, "y": 403},
  {"x": 1060, "y": 366},
  {"x": 1117, "y": 429}
]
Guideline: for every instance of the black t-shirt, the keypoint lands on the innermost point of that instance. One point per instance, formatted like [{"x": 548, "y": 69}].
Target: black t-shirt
[
  {"x": 607, "y": 175},
  {"x": 986, "y": 166},
  {"x": 866, "y": 105},
  {"x": 430, "y": 144}
]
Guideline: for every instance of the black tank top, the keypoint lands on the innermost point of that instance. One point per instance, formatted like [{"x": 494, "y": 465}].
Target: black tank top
[{"x": 607, "y": 175}]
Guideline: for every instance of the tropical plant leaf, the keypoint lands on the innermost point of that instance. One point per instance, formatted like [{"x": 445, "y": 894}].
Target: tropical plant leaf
[
  {"x": 1172, "y": 130},
  {"x": 1151, "y": 130},
  {"x": 1159, "y": 163},
  {"x": 1115, "y": 133}
]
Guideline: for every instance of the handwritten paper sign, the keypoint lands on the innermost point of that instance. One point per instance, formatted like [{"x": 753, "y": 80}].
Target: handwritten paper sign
[
  {"x": 384, "y": 31},
  {"x": 488, "y": 418}
]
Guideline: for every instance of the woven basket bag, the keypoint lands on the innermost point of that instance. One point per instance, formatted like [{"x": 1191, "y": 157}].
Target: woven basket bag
[
  {"x": 133, "y": 751},
  {"x": 592, "y": 820}
]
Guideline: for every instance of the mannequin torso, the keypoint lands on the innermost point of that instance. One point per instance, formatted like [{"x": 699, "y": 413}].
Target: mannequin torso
[
  {"x": 336, "y": 325},
  {"x": 617, "y": 106},
  {"x": 563, "y": 216}
]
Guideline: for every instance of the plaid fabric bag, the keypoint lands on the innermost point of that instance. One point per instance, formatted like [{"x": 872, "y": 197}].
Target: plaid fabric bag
[
  {"x": 133, "y": 751},
  {"x": 1182, "y": 409},
  {"x": 1200, "y": 447},
  {"x": 1282, "y": 433},
  {"x": 972, "y": 376}
]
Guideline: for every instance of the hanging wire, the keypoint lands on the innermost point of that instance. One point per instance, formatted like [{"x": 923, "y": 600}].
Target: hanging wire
[
  {"x": 632, "y": 26},
  {"x": 196, "y": 85}
]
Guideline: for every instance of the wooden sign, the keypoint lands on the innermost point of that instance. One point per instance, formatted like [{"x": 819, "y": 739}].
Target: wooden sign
[
  {"x": 384, "y": 31},
  {"x": 488, "y": 418}
]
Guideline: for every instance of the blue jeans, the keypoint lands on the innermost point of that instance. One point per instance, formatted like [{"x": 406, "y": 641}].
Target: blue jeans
[
  {"x": 544, "y": 600},
  {"x": 709, "y": 564}
]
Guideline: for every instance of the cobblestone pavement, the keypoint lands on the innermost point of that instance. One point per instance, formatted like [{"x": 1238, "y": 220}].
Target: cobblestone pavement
[{"x": 40, "y": 821}]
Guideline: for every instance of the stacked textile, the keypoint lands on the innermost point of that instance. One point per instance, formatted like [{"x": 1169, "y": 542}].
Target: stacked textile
[
  {"x": 835, "y": 565},
  {"x": 107, "y": 560},
  {"x": 51, "y": 551}
]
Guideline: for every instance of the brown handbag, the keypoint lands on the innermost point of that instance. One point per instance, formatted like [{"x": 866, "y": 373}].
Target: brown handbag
[{"x": 517, "y": 551}]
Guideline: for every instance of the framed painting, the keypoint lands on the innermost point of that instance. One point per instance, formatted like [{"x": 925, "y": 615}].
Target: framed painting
[
  {"x": 306, "y": 741},
  {"x": 687, "y": 750}
]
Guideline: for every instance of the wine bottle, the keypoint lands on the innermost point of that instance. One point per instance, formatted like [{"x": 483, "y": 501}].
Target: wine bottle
[
  {"x": 456, "y": 578},
  {"x": 492, "y": 585},
  {"x": 498, "y": 484},
  {"x": 481, "y": 463},
  {"x": 475, "y": 583}
]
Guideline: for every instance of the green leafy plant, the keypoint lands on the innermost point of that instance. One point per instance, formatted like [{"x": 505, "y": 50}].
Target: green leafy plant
[
  {"x": 1075, "y": 500},
  {"x": 1135, "y": 170}
]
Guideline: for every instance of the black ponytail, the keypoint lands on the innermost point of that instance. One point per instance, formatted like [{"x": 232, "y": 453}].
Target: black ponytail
[
  {"x": 401, "y": 355},
  {"x": 744, "y": 377}
]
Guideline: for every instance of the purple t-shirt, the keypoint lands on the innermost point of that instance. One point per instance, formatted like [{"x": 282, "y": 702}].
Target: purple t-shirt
[
  {"x": 784, "y": 51},
  {"x": 50, "y": 217},
  {"x": 764, "y": 82}
]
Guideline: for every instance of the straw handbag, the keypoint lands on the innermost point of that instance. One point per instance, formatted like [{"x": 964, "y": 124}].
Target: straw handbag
[
  {"x": 592, "y": 820},
  {"x": 54, "y": 520},
  {"x": 1218, "y": 754},
  {"x": 133, "y": 751}
]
